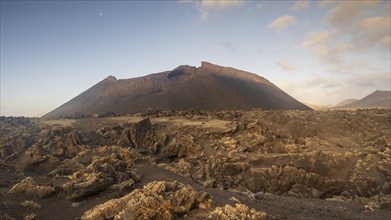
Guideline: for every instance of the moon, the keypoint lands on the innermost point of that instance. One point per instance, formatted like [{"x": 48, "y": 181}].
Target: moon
[{"x": 100, "y": 14}]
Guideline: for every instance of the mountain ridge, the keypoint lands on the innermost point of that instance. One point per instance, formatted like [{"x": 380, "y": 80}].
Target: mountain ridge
[
  {"x": 346, "y": 102},
  {"x": 208, "y": 87},
  {"x": 377, "y": 99}
]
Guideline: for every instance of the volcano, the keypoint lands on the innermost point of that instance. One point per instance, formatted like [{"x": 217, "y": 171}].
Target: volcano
[{"x": 208, "y": 87}]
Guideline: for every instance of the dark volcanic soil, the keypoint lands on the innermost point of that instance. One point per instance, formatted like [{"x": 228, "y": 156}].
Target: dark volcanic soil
[{"x": 191, "y": 164}]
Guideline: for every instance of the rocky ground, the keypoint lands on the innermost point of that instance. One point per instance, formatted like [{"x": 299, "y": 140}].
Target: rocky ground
[{"x": 198, "y": 165}]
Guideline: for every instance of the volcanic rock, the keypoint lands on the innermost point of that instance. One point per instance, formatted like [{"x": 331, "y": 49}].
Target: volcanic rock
[
  {"x": 30, "y": 188},
  {"x": 280, "y": 162},
  {"x": 116, "y": 167},
  {"x": 157, "y": 200},
  {"x": 240, "y": 211}
]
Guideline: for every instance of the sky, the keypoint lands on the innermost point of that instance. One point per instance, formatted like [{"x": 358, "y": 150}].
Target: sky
[{"x": 319, "y": 52}]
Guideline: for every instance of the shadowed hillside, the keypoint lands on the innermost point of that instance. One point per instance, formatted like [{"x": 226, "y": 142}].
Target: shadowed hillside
[
  {"x": 209, "y": 87},
  {"x": 346, "y": 102},
  {"x": 377, "y": 99}
]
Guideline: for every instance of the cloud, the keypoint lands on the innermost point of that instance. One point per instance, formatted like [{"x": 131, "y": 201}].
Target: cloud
[
  {"x": 323, "y": 89},
  {"x": 228, "y": 45},
  {"x": 386, "y": 41},
  {"x": 287, "y": 65},
  {"x": 219, "y": 4},
  {"x": 372, "y": 32},
  {"x": 354, "y": 31},
  {"x": 343, "y": 57},
  {"x": 323, "y": 45},
  {"x": 282, "y": 22},
  {"x": 185, "y": 1},
  {"x": 352, "y": 66},
  {"x": 346, "y": 12},
  {"x": 352, "y": 44},
  {"x": 300, "y": 5},
  {"x": 324, "y": 3},
  {"x": 205, "y": 7},
  {"x": 260, "y": 6},
  {"x": 319, "y": 82},
  {"x": 374, "y": 81}
]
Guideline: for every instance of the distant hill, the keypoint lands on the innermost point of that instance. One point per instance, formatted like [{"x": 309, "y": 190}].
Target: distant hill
[
  {"x": 318, "y": 107},
  {"x": 377, "y": 99},
  {"x": 209, "y": 87},
  {"x": 346, "y": 102}
]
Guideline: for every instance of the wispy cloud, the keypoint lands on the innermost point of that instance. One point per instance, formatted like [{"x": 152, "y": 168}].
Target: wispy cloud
[
  {"x": 351, "y": 66},
  {"x": 322, "y": 89},
  {"x": 260, "y": 6},
  {"x": 300, "y": 5},
  {"x": 373, "y": 32},
  {"x": 228, "y": 45},
  {"x": 346, "y": 12},
  {"x": 287, "y": 65},
  {"x": 353, "y": 30},
  {"x": 325, "y": 3},
  {"x": 186, "y": 1},
  {"x": 219, "y": 4},
  {"x": 324, "y": 46},
  {"x": 282, "y": 22},
  {"x": 205, "y": 7}
]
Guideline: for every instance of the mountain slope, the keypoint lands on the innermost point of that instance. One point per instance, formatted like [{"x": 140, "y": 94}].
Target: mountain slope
[
  {"x": 346, "y": 102},
  {"x": 377, "y": 99},
  {"x": 209, "y": 87}
]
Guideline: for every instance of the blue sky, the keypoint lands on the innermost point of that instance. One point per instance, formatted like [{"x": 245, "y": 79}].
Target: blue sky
[{"x": 319, "y": 52}]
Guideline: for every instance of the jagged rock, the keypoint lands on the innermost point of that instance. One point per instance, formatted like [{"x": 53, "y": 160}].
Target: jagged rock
[
  {"x": 364, "y": 180},
  {"x": 157, "y": 200},
  {"x": 30, "y": 188},
  {"x": 91, "y": 184},
  {"x": 51, "y": 147},
  {"x": 220, "y": 171},
  {"x": 30, "y": 217},
  {"x": 109, "y": 167},
  {"x": 5, "y": 216},
  {"x": 139, "y": 135},
  {"x": 31, "y": 204},
  {"x": 34, "y": 155},
  {"x": 371, "y": 203},
  {"x": 317, "y": 154},
  {"x": 183, "y": 167},
  {"x": 124, "y": 186},
  {"x": 10, "y": 172},
  {"x": 240, "y": 212},
  {"x": 384, "y": 167},
  {"x": 293, "y": 181},
  {"x": 17, "y": 134},
  {"x": 67, "y": 167},
  {"x": 61, "y": 141},
  {"x": 177, "y": 147}
]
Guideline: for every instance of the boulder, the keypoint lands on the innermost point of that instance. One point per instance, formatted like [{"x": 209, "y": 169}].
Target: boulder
[
  {"x": 239, "y": 212},
  {"x": 91, "y": 184},
  {"x": 157, "y": 200},
  {"x": 30, "y": 188},
  {"x": 293, "y": 181},
  {"x": 109, "y": 167}
]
